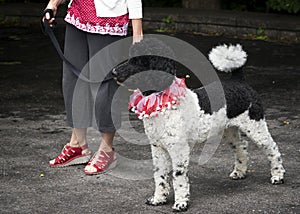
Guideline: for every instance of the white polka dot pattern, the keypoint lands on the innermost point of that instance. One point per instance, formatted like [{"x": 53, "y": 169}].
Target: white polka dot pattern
[{"x": 82, "y": 14}]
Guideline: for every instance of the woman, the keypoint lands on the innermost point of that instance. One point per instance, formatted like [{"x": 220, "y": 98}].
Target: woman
[{"x": 91, "y": 26}]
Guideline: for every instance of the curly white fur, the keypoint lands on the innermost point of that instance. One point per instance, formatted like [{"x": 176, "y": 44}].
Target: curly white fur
[
  {"x": 171, "y": 132},
  {"x": 228, "y": 57}
]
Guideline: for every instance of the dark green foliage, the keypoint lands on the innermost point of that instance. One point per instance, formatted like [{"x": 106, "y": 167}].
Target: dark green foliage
[
  {"x": 245, "y": 5},
  {"x": 291, "y": 6},
  {"x": 283, "y": 6}
]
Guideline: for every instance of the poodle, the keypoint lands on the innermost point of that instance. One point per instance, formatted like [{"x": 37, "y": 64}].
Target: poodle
[{"x": 175, "y": 116}]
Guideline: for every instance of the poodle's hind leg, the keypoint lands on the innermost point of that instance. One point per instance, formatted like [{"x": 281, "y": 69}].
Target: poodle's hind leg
[
  {"x": 162, "y": 167},
  {"x": 258, "y": 132},
  {"x": 239, "y": 146}
]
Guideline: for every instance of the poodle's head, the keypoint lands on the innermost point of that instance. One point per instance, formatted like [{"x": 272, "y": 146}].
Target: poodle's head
[{"x": 150, "y": 66}]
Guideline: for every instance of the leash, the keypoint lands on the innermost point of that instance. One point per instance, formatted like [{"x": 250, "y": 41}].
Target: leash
[{"x": 49, "y": 31}]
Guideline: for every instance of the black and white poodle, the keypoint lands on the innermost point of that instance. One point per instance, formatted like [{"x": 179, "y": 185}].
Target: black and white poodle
[{"x": 175, "y": 116}]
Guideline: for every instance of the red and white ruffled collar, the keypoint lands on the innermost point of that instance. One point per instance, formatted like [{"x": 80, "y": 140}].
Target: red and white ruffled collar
[{"x": 152, "y": 105}]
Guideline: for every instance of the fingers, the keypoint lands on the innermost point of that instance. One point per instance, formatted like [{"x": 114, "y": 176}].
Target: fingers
[
  {"x": 50, "y": 20},
  {"x": 47, "y": 16},
  {"x": 137, "y": 38}
]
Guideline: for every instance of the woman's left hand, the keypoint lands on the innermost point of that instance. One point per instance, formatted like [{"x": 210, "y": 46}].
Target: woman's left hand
[
  {"x": 137, "y": 30},
  {"x": 136, "y": 39}
]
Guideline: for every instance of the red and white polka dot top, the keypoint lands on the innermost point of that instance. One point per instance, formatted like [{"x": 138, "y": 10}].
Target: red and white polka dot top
[{"x": 82, "y": 14}]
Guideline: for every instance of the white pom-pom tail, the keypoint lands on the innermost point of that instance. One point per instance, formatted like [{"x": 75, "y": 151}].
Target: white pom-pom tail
[{"x": 227, "y": 57}]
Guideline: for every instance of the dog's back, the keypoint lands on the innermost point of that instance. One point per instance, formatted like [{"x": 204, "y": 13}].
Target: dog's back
[{"x": 239, "y": 97}]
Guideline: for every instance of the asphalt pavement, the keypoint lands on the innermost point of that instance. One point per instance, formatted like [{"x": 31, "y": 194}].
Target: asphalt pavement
[{"x": 33, "y": 130}]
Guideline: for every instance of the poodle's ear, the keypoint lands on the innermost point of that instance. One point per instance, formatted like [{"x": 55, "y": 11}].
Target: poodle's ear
[
  {"x": 158, "y": 63},
  {"x": 141, "y": 61},
  {"x": 158, "y": 75},
  {"x": 162, "y": 64},
  {"x": 152, "y": 65}
]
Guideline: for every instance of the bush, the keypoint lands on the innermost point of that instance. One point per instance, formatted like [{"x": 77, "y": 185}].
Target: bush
[
  {"x": 291, "y": 6},
  {"x": 245, "y": 5}
]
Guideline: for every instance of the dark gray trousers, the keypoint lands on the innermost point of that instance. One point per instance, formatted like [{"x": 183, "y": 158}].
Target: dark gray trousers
[{"x": 89, "y": 104}]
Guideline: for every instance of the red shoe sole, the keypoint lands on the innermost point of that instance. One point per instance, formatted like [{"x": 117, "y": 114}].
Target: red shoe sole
[{"x": 75, "y": 161}]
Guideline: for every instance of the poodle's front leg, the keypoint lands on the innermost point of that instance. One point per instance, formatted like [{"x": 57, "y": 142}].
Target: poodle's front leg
[
  {"x": 162, "y": 167},
  {"x": 180, "y": 155}
]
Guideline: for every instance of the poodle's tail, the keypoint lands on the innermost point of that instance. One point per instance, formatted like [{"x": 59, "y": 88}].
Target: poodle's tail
[{"x": 229, "y": 58}]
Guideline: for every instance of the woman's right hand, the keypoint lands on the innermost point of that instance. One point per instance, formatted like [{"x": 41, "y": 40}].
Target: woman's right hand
[{"x": 48, "y": 16}]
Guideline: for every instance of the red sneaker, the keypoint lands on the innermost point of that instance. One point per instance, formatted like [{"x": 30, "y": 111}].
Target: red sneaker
[
  {"x": 71, "y": 156},
  {"x": 101, "y": 162}
]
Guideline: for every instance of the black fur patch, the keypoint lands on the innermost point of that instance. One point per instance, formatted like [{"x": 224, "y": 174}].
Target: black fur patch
[
  {"x": 153, "y": 55},
  {"x": 239, "y": 98},
  {"x": 149, "y": 73},
  {"x": 162, "y": 185},
  {"x": 151, "y": 64},
  {"x": 178, "y": 173},
  {"x": 203, "y": 100}
]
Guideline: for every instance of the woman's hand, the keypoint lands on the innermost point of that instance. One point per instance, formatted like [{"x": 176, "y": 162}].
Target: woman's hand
[
  {"x": 137, "y": 30},
  {"x": 52, "y": 5},
  {"x": 136, "y": 39}
]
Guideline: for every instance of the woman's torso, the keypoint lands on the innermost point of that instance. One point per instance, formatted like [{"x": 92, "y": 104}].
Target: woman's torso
[{"x": 82, "y": 14}]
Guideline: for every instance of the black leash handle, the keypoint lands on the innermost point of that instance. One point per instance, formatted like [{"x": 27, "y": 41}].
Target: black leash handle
[
  {"x": 48, "y": 30},
  {"x": 46, "y": 26}
]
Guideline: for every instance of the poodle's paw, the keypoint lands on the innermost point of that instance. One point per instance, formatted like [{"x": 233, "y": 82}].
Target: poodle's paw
[
  {"x": 277, "y": 175},
  {"x": 180, "y": 206},
  {"x": 277, "y": 179},
  {"x": 236, "y": 175},
  {"x": 155, "y": 201}
]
